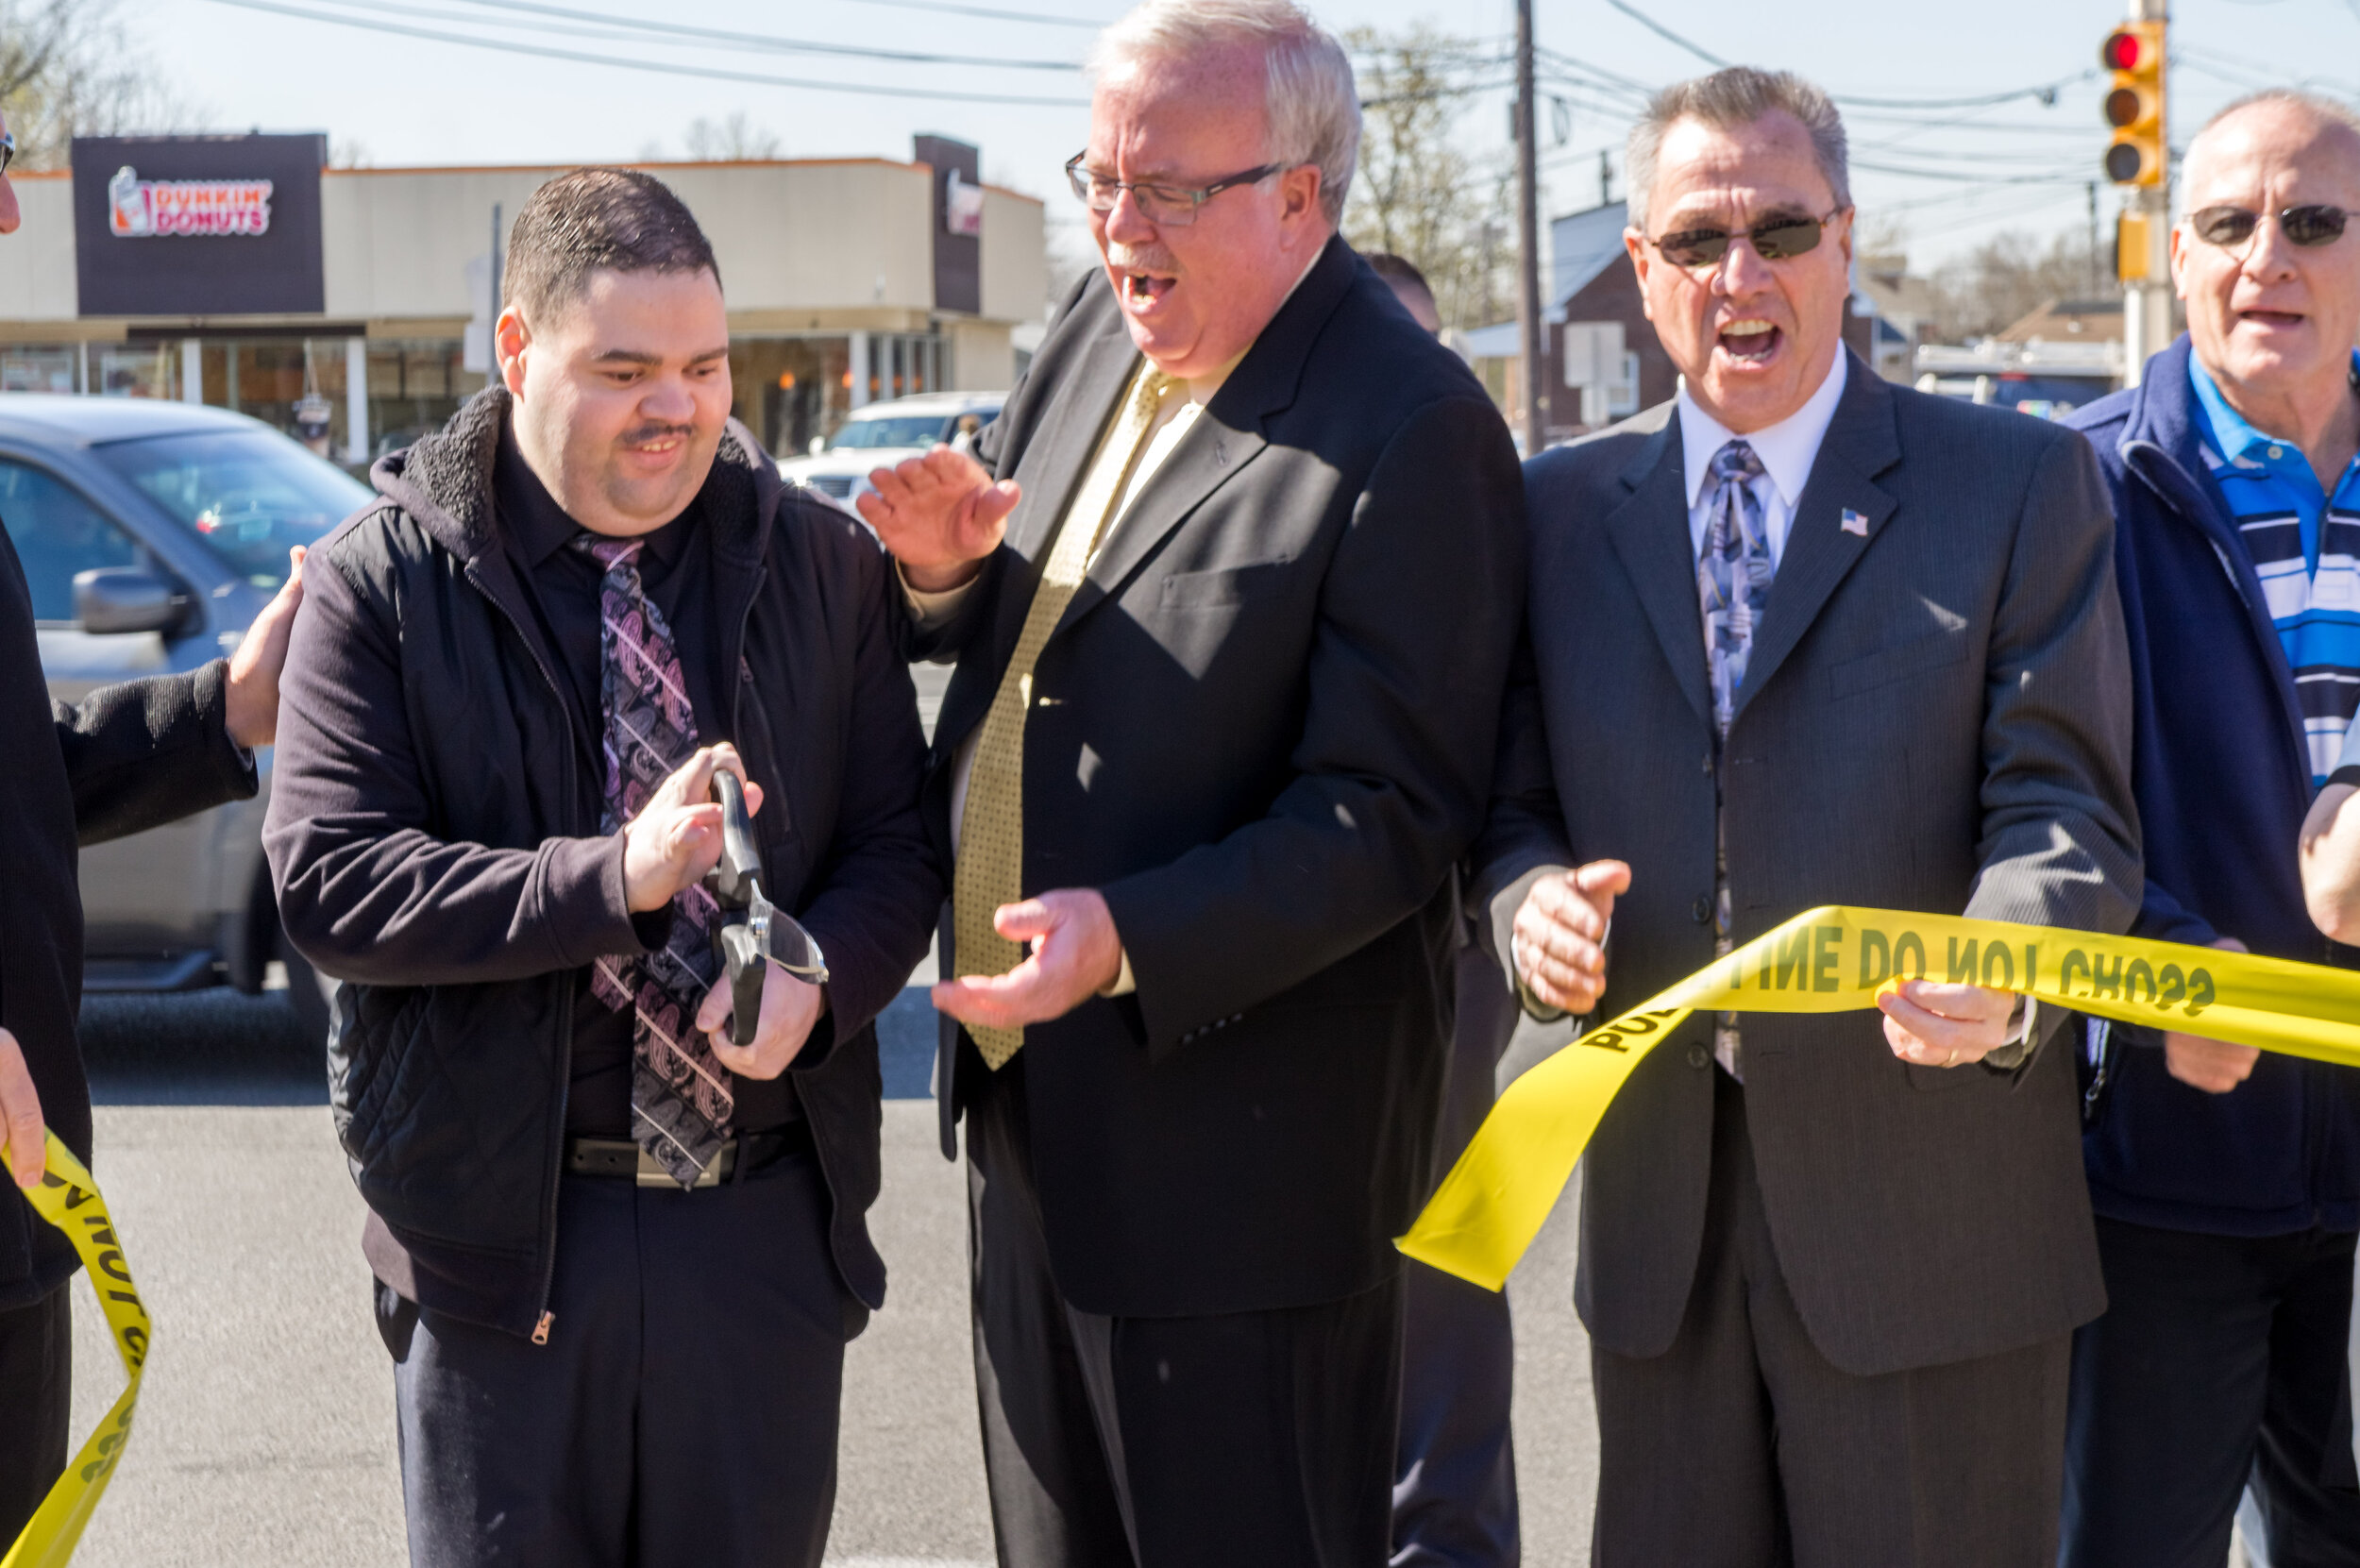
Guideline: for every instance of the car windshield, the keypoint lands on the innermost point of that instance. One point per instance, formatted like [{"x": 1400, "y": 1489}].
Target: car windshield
[
  {"x": 247, "y": 493},
  {"x": 907, "y": 430}
]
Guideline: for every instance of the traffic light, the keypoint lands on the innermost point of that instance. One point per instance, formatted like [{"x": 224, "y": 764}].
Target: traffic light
[{"x": 2135, "y": 103}]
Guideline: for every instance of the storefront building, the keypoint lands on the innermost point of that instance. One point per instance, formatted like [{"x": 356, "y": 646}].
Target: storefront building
[{"x": 353, "y": 306}]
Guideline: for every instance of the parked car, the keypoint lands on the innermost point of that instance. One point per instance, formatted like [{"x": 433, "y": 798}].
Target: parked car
[
  {"x": 881, "y": 435},
  {"x": 152, "y": 534}
]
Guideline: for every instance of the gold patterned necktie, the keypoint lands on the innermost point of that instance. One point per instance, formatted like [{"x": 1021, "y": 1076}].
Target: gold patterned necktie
[{"x": 990, "y": 871}]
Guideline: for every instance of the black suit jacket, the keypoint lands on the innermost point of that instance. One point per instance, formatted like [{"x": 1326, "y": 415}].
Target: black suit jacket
[
  {"x": 1264, "y": 731},
  {"x": 1936, "y": 717}
]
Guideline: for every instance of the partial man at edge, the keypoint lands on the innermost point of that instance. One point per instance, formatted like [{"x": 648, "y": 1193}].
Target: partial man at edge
[{"x": 126, "y": 758}]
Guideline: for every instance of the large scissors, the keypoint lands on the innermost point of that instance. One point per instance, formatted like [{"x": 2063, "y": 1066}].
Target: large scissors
[{"x": 748, "y": 929}]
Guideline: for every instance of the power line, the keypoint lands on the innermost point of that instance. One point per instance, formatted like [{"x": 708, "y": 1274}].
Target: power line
[
  {"x": 2045, "y": 93},
  {"x": 660, "y": 67},
  {"x": 1668, "y": 35},
  {"x": 1037, "y": 18},
  {"x": 756, "y": 41}
]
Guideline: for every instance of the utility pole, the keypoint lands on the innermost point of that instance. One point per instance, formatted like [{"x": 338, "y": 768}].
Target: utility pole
[
  {"x": 2139, "y": 156},
  {"x": 2095, "y": 274},
  {"x": 1528, "y": 237}
]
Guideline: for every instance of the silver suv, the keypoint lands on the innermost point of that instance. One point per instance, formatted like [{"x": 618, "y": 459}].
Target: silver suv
[{"x": 152, "y": 534}]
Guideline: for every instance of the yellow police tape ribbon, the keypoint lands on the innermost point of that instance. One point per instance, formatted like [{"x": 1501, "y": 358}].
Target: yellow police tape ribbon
[
  {"x": 1832, "y": 960},
  {"x": 68, "y": 1199}
]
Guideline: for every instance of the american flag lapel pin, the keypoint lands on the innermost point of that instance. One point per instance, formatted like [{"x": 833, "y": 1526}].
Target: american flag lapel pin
[{"x": 1855, "y": 523}]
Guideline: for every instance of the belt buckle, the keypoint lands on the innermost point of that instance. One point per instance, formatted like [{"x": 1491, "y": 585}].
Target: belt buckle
[{"x": 724, "y": 1162}]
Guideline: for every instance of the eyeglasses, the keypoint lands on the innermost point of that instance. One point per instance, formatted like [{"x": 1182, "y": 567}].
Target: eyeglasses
[
  {"x": 8, "y": 150},
  {"x": 1774, "y": 241},
  {"x": 1164, "y": 206},
  {"x": 2231, "y": 227}
]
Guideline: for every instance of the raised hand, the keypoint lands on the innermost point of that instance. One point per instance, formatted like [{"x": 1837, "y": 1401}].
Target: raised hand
[{"x": 940, "y": 514}]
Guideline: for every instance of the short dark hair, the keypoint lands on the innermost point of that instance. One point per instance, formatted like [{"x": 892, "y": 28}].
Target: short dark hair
[
  {"x": 592, "y": 218},
  {"x": 1398, "y": 269}
]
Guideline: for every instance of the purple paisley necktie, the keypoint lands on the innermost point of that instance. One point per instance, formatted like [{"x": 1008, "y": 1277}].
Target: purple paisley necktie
[{"x": 681, "y": 1097}]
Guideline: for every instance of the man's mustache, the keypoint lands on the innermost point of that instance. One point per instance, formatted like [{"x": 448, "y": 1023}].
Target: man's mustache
[
  {"x": 1155, "y": 259},
  {"x": 657, "y": 432}
]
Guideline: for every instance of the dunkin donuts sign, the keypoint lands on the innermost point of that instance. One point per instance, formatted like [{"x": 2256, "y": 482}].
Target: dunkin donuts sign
[
  {"x": 138, "y": 208},
  {"x": 181, "y": 227}
]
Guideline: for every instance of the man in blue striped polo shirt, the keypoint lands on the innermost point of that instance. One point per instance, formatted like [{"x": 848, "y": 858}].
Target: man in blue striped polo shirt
[
  {"x": 2226, "y": 1184},
  {"x": 2305, "y": 545}
]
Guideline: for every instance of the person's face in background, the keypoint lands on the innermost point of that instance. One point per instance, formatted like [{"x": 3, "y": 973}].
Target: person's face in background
[
  {"x": 1419, "y": 303},
  {"x": 10, "y": 217}
]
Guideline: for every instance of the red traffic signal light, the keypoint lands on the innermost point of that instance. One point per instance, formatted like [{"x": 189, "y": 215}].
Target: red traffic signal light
[{"x": 2126, "y": 50}]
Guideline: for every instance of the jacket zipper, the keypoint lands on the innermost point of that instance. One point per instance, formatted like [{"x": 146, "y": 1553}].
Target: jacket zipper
[{"x": 543, "y": 1318}]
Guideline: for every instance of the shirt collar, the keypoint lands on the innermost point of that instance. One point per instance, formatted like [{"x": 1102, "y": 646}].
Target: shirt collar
[
  {"x": 2234, "y": 440},
  {"x": 539, "y": 525},
  {"x": 1787, "y": 448}
]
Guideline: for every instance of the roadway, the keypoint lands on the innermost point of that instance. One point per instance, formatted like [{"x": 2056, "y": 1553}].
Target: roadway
[{"x": 265, "y": 1433}]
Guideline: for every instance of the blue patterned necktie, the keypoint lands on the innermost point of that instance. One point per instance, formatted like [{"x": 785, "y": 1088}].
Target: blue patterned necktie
[
  {"x": 1733, "y": 574},
  {"x": 681, "y": 1095}
]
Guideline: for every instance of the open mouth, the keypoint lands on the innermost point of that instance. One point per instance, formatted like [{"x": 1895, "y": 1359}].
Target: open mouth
[
  {"x": 1141, "y": 289},
  {"x": 2271, "y": 318},
  {"x": 1750, "y": 341}
]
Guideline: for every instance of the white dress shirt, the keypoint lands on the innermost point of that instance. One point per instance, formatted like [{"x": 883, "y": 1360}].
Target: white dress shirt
[{"x": 1787, "y": 449}]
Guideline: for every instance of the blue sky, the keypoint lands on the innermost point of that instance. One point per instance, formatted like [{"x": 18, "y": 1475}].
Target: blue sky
[{"x": 1959, "y": 175}]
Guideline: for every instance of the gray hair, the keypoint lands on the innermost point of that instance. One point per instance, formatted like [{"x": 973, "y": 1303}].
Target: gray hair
[
  {"x": 1313, "y": 104},
  {"x": 2327, "y": 110},
  {"x": 1726, "y": 99}
]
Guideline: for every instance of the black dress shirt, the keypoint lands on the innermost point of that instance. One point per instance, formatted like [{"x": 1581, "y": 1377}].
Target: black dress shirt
[{"x": 676, "y": 569}]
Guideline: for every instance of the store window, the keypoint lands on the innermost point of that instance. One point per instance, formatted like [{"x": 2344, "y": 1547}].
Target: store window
[
  {"x": 38, "y": 368},
  {"x": 414, "y": 386},
  {"x": 56, "y": 534},
  {"x": 134, "y": 370},
  {"x": 290, "y": 384},
  {"x": 790, "y": 391}
]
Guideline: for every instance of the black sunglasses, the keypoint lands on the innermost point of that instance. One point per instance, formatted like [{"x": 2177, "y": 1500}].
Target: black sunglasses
[
  {"x": 2231, "y": 227},
  {"x": 8, "y": 150},
  {"x": 1774, "y": 241}
]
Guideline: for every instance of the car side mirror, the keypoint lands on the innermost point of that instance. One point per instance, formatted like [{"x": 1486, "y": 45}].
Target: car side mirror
[
  {"x": 110, "y": 600},
  {"x": 818, "y": 445}
]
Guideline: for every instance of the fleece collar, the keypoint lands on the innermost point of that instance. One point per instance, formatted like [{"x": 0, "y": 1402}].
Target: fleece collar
[{"x": 446, "y": 483}]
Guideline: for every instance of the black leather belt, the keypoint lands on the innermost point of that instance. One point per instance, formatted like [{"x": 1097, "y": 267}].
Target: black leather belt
[{"x": 741, "y": 1155}]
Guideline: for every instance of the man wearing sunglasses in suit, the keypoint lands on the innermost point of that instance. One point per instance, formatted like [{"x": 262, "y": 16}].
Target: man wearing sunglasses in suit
[
  {"x": 2227, "y": 1184},
  {"x": 1800, "y": 637}
]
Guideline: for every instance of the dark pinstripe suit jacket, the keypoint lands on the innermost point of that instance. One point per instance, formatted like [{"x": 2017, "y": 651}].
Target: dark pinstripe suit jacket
[{"x": 1936, "y": 717}]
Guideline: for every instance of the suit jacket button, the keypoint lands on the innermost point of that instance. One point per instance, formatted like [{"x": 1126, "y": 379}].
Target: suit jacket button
[
  {"x": 1701, "y": 911},
  {"x": 1698, "y": 1055}
]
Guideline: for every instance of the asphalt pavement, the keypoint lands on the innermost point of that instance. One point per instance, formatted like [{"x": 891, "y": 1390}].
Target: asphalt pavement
[{"x": 265, "y": 1433}]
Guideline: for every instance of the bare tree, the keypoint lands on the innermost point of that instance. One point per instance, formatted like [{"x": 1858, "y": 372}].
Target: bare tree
[
  {"x": 2006, "y": 278},
  {"x": 1419, "y": 194},
  {"x": 67, "y": 69},
  {"x": 733, "y": 139}
]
